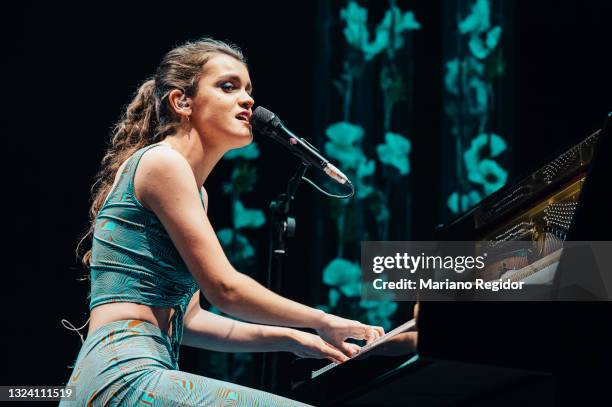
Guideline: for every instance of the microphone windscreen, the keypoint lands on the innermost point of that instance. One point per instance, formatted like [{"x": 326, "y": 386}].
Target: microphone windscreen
[
  {"x": 262, "y": 120},
  {"x": 262, "y": 114}
]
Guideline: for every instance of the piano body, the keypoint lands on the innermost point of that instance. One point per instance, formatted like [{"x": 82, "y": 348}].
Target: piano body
[{"x": 502, "y": 353}]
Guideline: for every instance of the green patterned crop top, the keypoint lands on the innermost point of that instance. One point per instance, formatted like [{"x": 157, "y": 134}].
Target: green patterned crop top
[{"x": 133, "y": 258}]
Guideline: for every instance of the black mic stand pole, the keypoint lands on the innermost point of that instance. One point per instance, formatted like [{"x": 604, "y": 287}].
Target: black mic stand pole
[{"x": 281, "y": 226}]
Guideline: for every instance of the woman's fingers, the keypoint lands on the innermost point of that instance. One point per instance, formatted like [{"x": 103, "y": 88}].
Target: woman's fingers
[
  {"x": 372, "y": 333},
  {"x": 334, "y": 353},
  {"x": 336, "y": 361},
  {"x": 323, "y": 349},
  {"x": 349, "y": 349},
  {"x": 354, "y": 348},
  {"x": 336, "y": 330},
  {"x": 360, "y": 331}
]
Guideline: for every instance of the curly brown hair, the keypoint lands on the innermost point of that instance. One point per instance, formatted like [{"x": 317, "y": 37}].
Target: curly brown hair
[{"x": 149, "y": 118}]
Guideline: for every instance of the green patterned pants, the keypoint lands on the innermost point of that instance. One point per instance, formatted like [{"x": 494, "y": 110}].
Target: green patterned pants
[{"x": 130, "y": 363}]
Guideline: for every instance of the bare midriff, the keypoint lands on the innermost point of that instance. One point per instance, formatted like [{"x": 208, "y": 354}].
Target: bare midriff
[{"x": 118, "y": 311}]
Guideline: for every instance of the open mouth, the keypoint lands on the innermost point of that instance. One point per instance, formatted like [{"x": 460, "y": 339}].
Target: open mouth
[{"x": 243, "y": 117}]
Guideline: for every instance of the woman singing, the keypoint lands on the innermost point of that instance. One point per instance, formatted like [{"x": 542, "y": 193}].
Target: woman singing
[{"x": 154, "y": 249}]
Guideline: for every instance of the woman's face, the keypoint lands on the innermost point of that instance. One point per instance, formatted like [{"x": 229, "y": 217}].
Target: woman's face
[{"x": 222, "y": 107}]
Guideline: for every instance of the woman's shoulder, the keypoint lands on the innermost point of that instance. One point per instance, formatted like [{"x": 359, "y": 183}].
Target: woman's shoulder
[
  {"x": 164, "y": 161},
  {"x": 160, "y": 170}
]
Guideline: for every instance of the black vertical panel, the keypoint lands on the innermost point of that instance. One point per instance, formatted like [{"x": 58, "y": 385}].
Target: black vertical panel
[
  {"x": 562, "y": 74},
  {"x": 321, "y": 109},
  {"x": 427, "y": 164}
]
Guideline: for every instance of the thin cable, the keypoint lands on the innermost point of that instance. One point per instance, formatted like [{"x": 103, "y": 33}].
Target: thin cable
[
  {"x": 68, "y": 325},
  {"x": 318, "y": 188}
]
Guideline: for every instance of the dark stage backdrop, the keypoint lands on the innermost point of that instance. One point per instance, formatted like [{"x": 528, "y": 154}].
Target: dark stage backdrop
[
  {"x": 78, "y": 65},
  {"x": 68, "y": 70}
]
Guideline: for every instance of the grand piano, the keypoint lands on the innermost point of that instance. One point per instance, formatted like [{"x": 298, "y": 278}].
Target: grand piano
[{"x": 533, "y": 353}]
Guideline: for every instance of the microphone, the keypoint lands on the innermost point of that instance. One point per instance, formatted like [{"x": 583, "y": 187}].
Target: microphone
[{"x": 267, "y": 123}]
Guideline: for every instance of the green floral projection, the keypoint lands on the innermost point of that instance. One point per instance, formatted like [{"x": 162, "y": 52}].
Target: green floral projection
[
  {"x": 470, "y": 102},
  {"x": 378, "y": 55}
]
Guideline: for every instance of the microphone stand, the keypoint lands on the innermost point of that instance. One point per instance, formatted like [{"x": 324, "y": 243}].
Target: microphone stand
[{"x": 281, "y": 226}]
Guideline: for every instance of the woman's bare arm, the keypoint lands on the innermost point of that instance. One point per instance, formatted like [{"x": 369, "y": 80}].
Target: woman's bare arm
[
  {"x": 206, "y": 330},
  {"x": 164, "y": 182}
]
